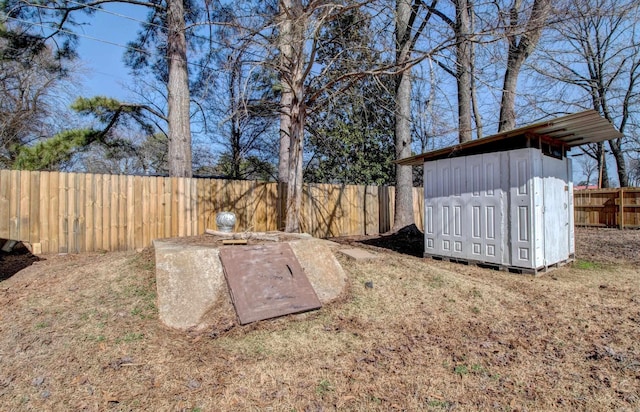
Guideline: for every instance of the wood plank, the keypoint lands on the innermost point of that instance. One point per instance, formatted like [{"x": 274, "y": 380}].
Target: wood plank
[
  {"x": 621, "y": 208},
  {"x": 72, "y": 216},
  {"x": 138, "y": 214},
  {"x": 235, "y": 241},
  {"x": 184, "y": 213},
  {"x": 131, "y": 222},
  {"x": 122, "y": 212},
  {"x": 163, "y": 205},
  {"x": 372, "y": 211},
  {"x": 25, "y": 206},
  {"x": 81, "y": 211},
  {"x": 200, "y": 206},
  {"x": 34, "y": 208},
  {"x": 89, "y": 224},
  {"x": 114, "y": 210},
  {"x": 194, "y": 207},
  {"x": 98, "y": 186},
  {"x": 259, "y": 207},
  {"x": 345, "y": 203},
  {"x": 626, "y": 204},
  {"x": 105, "y": 209},
  {"x": 5, "y": 199},
  {"x": 240, "y": 205},
  {"x": 181, "y": 207},
  {"x": 63, "y": 214},
  {"x": 154, "y": 203},
  {"x": 362, "y": 194},
  {"x": 350, "y": 201},
  {"x": 82, "y": 198},
  {"x": 308, "y": 209},
  {"x": 167, "y": 206},
  {"x": 211, "y": 190},
  {"x": 271, "y": 208},
  {"x": 391, "y": 206},
  {"x": 45, "y": 206},
  {"x": 54, "y": 212},
  {"x": 146, "y": 209},
  {"x": 189, "y": 206},
  {"x": 418, "y": 207},
  {"x": 175, "y": 206},
  {"x": 336, "y": 211}
]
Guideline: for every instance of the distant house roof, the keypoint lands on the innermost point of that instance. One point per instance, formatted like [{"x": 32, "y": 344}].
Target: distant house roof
[{"x": 566, "y": 131}]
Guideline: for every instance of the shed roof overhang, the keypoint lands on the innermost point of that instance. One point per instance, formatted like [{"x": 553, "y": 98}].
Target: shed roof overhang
[{"x": 566, "y": 131}]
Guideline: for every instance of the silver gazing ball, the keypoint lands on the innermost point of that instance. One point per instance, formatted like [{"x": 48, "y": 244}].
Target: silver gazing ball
[{"x": 226, "y": 221}]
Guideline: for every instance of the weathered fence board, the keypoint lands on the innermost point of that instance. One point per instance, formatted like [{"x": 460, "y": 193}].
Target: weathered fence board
[
  {"x": 618, "y": 207},
  {"x": 71, "y": 212}
]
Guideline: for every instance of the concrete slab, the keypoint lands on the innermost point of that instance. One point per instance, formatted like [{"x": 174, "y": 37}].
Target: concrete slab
[
  {"x": 191, "y": 284},
  {"x": 358, "y": 254}
]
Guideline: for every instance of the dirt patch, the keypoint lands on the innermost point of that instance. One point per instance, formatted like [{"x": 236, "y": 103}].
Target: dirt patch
[
  {"x": 80, "y": 332},
  {"x": 608, "y": 245},
  {"x": 601, "y": 245}
]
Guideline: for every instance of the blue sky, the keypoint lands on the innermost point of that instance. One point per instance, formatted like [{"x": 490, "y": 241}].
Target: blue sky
[{"x": 101, "y": 48}]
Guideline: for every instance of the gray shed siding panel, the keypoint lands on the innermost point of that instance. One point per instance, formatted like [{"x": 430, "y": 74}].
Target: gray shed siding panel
[{"x": 510, "y": 208}]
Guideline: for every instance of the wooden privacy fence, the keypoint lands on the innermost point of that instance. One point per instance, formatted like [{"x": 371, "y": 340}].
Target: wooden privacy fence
[
  {"x": 72, "y": 212},
  {"x": 608, "y": 208}
]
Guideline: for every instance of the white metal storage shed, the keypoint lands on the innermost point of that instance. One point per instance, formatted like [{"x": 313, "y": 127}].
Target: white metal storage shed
[{"x": 507, "y": 200}]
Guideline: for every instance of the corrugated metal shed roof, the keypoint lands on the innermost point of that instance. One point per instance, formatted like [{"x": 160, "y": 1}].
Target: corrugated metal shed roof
[{"x": 570, "y": 131}]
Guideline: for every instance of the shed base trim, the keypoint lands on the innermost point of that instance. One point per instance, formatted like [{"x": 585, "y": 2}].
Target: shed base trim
[{"x": 504, "y": 268}]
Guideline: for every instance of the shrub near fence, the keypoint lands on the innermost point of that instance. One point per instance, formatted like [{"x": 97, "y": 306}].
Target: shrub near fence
[{"x": 72, "y": 212}]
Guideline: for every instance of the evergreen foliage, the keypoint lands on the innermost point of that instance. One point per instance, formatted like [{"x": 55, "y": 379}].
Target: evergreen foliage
[{"x": 351, "y": 139}]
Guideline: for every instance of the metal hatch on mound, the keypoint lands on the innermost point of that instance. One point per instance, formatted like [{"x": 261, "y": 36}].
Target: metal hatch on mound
[{"x": 266, "y": 281}]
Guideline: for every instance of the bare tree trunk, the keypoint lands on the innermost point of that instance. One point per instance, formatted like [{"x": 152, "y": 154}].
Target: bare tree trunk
[
  {"x": 518, "y": 53},
  {"x": 404, "y": 174},
  {"x": 234, "y": 90},
  {"x": 603, "y": 173},
  {"x": 286, "y": 98},
  {"x": 178, "y": 99},
  {"x": 463, "y": 70},
  {"x": 616, "y": 150},
  {"x": 293, "y": 107},
  {"x": 508, "y": 102},
  {"x": 403, "y": 215},
  {"x": 474, "y": 95},
  {"x": 294, "y": 185}
]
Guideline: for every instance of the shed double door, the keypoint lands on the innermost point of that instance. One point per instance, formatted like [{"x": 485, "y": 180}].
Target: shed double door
[{"x": 464, "y": 203}]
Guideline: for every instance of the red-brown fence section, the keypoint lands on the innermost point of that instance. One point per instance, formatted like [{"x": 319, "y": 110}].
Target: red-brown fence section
[{"x": 608, "y": 208}]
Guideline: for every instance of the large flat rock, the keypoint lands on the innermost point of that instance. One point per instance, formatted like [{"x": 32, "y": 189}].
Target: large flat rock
[
  {"x": 189, "y": 280},
  {"x": 321, "y": 267},
  {"x": 191, "y": 284}
]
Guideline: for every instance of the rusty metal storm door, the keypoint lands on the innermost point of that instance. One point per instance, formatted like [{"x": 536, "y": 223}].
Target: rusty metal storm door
[{"x": 266, "y": 281}]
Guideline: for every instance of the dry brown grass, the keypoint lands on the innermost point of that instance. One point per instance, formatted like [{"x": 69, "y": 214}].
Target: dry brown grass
[{"x": 81, "y": 333}]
